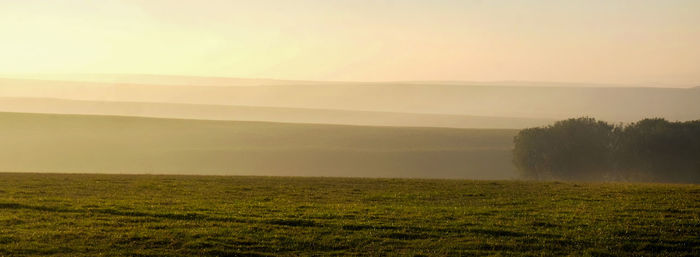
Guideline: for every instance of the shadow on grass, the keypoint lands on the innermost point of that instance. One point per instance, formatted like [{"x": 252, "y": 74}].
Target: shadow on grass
[
  {"x": 496, "y": 232},
  {"x": 411, "y": 232},
  {"x": 35, "y": 208},
  {"x": 293, "y": 222},
  {"x": 170, "y": 216}
]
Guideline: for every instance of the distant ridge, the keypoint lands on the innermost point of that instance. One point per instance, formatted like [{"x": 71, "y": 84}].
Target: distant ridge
[
  {"x": 614, "y": 104},
  {"x": 168, "y": 80},
  {"x": 506, "y": 83},
  {"x": 260, "y": 113},
  {"x": 190, "y": 80}
]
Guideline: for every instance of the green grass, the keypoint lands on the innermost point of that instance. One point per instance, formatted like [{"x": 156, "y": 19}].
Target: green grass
[{"x": 146, "y": 215}]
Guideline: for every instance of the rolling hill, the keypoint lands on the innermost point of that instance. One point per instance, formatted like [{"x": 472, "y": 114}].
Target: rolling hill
[
  {"x": 260, "y": 113},
  {"x": 615, "y": 104},
  {"x": 113, "y": 144}
]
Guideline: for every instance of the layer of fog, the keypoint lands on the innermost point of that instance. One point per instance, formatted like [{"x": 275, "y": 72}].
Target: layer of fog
[{"x": 546, "y": 103}]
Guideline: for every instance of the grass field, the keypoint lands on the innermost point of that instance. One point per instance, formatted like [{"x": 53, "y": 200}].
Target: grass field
[{"x": 146, "y": 215}]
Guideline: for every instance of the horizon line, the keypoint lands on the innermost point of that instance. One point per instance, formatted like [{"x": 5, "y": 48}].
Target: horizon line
[{"x": 523, "y": 83}]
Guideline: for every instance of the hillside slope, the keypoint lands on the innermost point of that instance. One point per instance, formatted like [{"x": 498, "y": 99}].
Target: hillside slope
[
  {"x": 79, "y": 143},
  {"x": 261, "y": 113},
  {"x": 607, "y": 103}
]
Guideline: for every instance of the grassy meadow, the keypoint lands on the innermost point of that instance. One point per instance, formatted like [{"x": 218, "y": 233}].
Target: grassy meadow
[
  {"x": 158, "y": 215},
  {"x": 229, "y": 128}
]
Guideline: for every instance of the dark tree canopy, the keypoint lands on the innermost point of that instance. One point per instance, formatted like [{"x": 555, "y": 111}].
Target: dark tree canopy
[
  {"x": 587, "y": 149},
  {"x": 658, "y": 150},
  {"x": 574, "y": 149}
]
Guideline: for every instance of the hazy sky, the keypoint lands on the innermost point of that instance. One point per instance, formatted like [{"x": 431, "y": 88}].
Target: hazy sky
[{"x": 635, "y": 41}]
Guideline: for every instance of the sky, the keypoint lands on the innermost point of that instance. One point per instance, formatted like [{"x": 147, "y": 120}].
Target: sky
[{"x": 591, "y": 41}]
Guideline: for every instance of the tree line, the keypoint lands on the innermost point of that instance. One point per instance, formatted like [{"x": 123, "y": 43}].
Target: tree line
[{"x": 588, "y": 149}]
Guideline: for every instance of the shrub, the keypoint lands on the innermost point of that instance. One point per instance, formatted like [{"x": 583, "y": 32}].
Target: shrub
[{"x": 587, "y": 149}]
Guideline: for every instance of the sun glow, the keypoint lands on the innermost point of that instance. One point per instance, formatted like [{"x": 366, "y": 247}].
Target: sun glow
[{"x": 578, "y": 41}]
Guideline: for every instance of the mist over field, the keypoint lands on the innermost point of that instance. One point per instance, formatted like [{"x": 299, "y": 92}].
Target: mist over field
[
  {"x": 261, "y": 113},
  {"x": 155, "y": 124},
  {"x": 109, "y": 144},
  {"x": 161, "y": 128},
  {"x": 538, "y": 103}
]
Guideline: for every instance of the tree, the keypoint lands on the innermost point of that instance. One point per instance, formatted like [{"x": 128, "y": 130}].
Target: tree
[
  {"x": 573, "y": 149},
  {"x": 586, "y": 149},
  {"x": 659, "y": 150}
]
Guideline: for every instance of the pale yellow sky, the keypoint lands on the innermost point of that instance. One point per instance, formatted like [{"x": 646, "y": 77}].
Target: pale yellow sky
[{"x": 601, "y": 41}]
